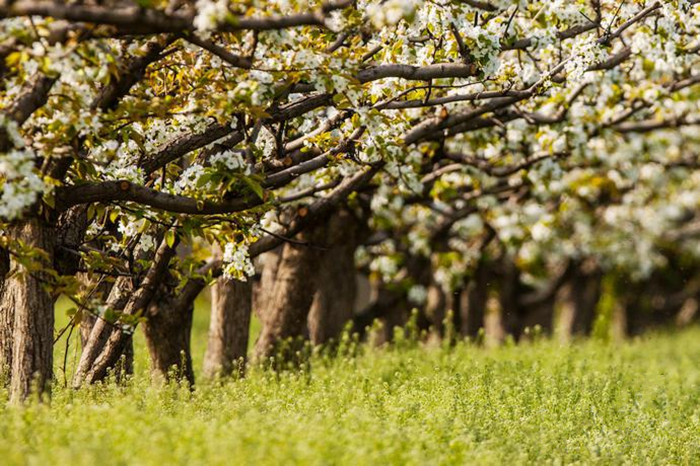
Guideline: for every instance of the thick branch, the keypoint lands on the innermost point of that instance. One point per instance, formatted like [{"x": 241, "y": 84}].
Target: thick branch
[
  {"x": 135, "y": 19},
  {"x": 123, "y": 190},
  {"x": 132, "y": 73},
  {"x": 32, "y": 96},
  {"x": 421, "y": 73}
]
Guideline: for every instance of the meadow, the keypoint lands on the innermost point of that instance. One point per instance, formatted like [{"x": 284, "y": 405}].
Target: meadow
[{"x": 587, "y": 402}]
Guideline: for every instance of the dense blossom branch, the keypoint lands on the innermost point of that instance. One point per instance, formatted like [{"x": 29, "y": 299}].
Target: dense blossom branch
[
  {"x": 136, "y": 19},
  {"x": 123, "y": 190},
  {"x": 445, "y": 116}
]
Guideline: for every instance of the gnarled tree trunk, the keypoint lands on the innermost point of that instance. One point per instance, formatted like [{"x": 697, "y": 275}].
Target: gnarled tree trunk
[
  {"x": 474, "y": 299},
  {"x": 26, "y": 313},
  {"x": 97, "y": 359},
  {"x": 270, "y": 262},
  {"x": 167, "y": 328},
  {"x": 580, "y": 297},
  {"x": 334, "y": 301},
  {"x": 386, "y": 306},
  {"x": 290, "y": 298},
  {"x": 229, "y": 327},
  {"x": 115, "y": 295},
  {"x": 7, "y": 318},
  {"x": 125, "y": 366},
  {"x": 95, "y": 331},
  {"x": 511, "y": 312},
  {"x": 436, "y": 310}
]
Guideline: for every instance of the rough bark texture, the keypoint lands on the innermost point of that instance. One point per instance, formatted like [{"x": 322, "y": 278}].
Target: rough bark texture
[
  {"x": 26, "y": 314},
  {"x": 585, "y": 290},
  {"x": 474, "y": 302},
  {"x": 511, "y": 312},
  {"x": 229, "y": 327},
  {"x": 125, "y": 366},
  {"x": 436, "y": 309},
  {"x": 334, "y": 301},
  {"x": 94, "y": 332},
  {"x": 290, "y": 298},
  {"x": 70, "y": 233},
  {"x": 107, "y": 357},
  {"x": 88, "y": 321},
  {"x": 262, "y": 290},
  {"x": 7, "y": 319},
  {"x": 167, "y": 328}
]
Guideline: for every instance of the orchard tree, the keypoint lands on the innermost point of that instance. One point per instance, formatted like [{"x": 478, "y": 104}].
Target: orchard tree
[{"x": 149, "y": 147}]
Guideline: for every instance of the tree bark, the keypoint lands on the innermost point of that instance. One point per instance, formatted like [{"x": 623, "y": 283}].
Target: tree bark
[
  {"x": 511, "y": 313},
  {"x": 229, "y": 328},
  {"x": 95, "y": 331},
  {"x": 26, "y": 313},
  {"x": 334, "y": 302},
  {"x": 538, "y": 314},
  {"x": 167, "y": 328},
  {"x": 290, "y": 299},
  {"x": 387, "y": 306},
  {"x": 87, "y": 322},
  {"x": 262, "y": 290},
  {"x": 584, "y": 293},
  {"x": 436, "y": 310},
  {"x": 7, "y": 319},
  {"x": 125, "y": 366},
  {"x": 95, "y": 362},
  {"x": 474, "y": 301}
]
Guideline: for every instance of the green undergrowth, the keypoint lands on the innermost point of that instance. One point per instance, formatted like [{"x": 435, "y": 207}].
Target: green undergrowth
[{"x": 590, "y": 402}]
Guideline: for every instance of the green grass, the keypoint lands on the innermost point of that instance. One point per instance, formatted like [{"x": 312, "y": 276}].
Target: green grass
[{"x": 635, "y": 403}]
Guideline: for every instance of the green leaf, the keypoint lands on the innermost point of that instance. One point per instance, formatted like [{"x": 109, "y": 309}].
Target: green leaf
[
  {"x": 170, "y": 238},
  {"x": 204, "y": 179},
  {"x": 254, "y": 186}
]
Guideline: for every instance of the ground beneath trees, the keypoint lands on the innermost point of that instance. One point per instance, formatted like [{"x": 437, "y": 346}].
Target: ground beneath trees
[{"x": 591, "y": 402}]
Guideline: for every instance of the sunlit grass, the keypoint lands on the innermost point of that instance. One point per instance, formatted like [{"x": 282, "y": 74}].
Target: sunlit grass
[{"x": 635, "y": 403}]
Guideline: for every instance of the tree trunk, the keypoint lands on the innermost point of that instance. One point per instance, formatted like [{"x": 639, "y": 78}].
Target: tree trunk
[
  {"x": 386, "y": 306},
  {"x": 229, "y": 328},
  {"x": 167, "y": 328},
  {"x": 539, "y": 314},
  {"x": 26, "y": 314},
  {"x": 436, "y": 310},
  {"x": 95, "y": 362},
  {"x": 290, "y": 299},
  {"x": 454, "y": 305},
  {"x": 474, "y": 301},
  {"x": 511, "y": 313},
  {"x": 125, "y": 366},
  {"x": 88, "y": 321},
  {"x": 334, "y": 301},
  {"x": 94, "y": 331},
  {"x": 262, "y": 290},
  {"x": 7, "y": 319},
  {"x": 586, "y": 288}
]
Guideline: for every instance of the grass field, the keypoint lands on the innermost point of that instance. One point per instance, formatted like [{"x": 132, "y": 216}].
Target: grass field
[{"x": 635, "y": 403}]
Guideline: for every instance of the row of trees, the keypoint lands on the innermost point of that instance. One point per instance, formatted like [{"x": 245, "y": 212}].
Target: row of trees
[{"x": 465, "y": 155}]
